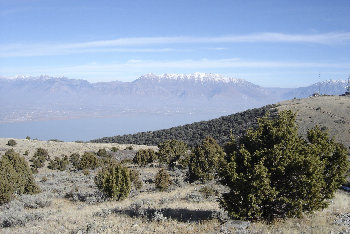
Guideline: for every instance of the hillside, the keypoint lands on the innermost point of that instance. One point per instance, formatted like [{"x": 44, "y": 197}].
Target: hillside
[
  {"x": 329, "y": 112},
  {"x": 192, "y": 134},
  {"x": 69, "y": 201}
]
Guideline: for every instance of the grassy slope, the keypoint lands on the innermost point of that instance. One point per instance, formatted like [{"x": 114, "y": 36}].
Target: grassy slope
[{"x": 331, "y": 112}]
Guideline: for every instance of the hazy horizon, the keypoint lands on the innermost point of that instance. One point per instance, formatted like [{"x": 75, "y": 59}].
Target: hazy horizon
[{"x": 132, "y": 80}]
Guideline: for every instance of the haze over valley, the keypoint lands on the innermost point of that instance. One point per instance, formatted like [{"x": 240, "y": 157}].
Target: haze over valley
[{"x": 50, "y": 98}]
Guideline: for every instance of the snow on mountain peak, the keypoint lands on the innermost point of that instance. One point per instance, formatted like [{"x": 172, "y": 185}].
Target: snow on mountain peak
[
  {"x": 41, "y": 77},
  {"x": 197, "y": 76},
  {"x": 331, "y": 82}
]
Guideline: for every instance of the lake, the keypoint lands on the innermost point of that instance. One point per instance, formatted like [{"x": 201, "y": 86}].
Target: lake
[{"x": 92, "y": 128}]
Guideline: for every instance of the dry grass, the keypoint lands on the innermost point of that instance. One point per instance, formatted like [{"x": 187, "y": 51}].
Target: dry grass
[
  {"x": 61, "y": 148},
  {"x": 113, "y": 216},
  {"x": 331, "y": 112},
  {"x": 318, "y": 222},
  {"x": 76, "y": 216}
]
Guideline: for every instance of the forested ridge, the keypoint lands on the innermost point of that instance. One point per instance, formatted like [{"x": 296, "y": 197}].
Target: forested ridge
[{"x": 192, "y": 134}]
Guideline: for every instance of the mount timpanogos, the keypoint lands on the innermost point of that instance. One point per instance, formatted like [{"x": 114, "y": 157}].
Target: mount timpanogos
[{"x": 28, "y": 98}]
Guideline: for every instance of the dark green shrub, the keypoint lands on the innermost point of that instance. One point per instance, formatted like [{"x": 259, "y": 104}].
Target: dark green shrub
[
  {"x": 135, "y": 179},
  {"x": 6, "y": 190},
  {"x": 114, "y": 149},
  {"x": 64, "y": 163},
  {"x": 40, "y": 152},
  {"x": 88, "y": 161},
  {"x": 75, "y": 160},
  {"x": 11, "y": 142},
  {"x": 274, "y": 173},
  {"x": 114, "y": 181},
  {"x": 39, "y": 158},
  {"x": 171, "y": 151},
  {"x": 28, "y": 137},
  {"x": 129, "y": 147},
  {"x": 162, "y": 180},
  {"x": 208, "y": 191},
  {"x": 205, "y": 160},
  {"x": 15, "y": 177},
  {"x": 53, "y": 164},
  {"x": 103, "y": 153},
  {"x": 26, "y": 153},
  {"x": 59, "y": 163},
  {"x": 105, "y": 161},
  {"x": 184, "y": 161},
  {"x": 144, "y": 157}
]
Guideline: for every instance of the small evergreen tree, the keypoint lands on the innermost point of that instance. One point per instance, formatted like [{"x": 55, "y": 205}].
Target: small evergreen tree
[
  {"x": 162, "y": 180},
  {"x": 59, "y": 163},
  {"x": 135, "y": 179},
  {"x": 114, "y": 149},
  {"x": 88, "y": 161},
  {"x": 144, "y": 157},
  {"x": 6, "y": 189},
  {"x": 39, "y": 158},
  {"x": 274, "y": 173},
  {"x": 103, "y": 153},
  {"x": 171, "y": 151},
  {"x": 15, "y": 177},
  {"x": 205, "y": 160},
  {"x": 11, "y": 142},
  {"x": 53, "y": 164},
  {"x": 75, "y": 160},
  {"x": 114, "y": 181}
]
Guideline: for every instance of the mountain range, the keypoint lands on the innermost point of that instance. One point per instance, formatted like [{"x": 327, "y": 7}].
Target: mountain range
[{"x": 44, "y": 97}]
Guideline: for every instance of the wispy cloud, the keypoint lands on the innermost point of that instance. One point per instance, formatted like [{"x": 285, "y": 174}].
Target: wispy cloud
[
  {"x": 203, "y": 63},
  {"x": 46, "y": 50},
  {"x": 144, "y": 66},
  {"x": 126, "y": 44}
]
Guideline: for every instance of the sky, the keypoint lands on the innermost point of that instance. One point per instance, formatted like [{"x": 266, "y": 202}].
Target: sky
[{"x": 272, "y": 43}]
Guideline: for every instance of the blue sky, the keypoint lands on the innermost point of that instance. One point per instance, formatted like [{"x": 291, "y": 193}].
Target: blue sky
[{"x": 270, "y": 43}]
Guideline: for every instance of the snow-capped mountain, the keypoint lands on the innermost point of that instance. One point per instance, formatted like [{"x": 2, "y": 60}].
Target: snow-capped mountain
[
  {"x": 167, "y": 93},
  {"x": 195, "y": 77},
  {"x": 328, "y": 87}
]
